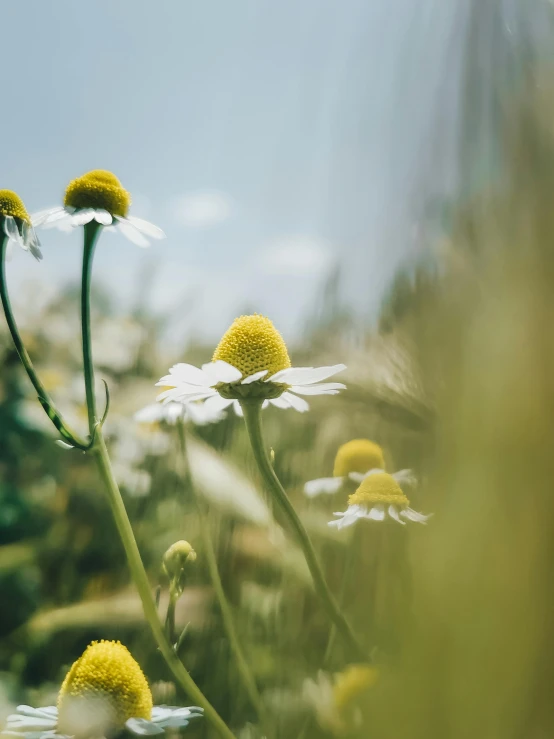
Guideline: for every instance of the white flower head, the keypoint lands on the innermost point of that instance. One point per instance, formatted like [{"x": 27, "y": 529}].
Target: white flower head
[
  {"x": 173, "y": 412},
  {"x": 98, "y": 196},
  {"x": 378, "y": 497},
  {"x": 104, "y": 692},
  {"x": 251, "y": 361},
  {"x": 354, "y": 461},
  {"x": 15, "y": 225}
]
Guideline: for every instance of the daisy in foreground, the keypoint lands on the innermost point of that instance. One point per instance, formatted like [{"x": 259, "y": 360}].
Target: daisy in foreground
[
  {"x": 16, "y": 226},
  {"x": 103, "y": 694},
  {"x": 379, "y": 496},
  {"x": 98, "y": 196},
  {"x": 251, "y": 362},
  {"x": 354, "y": 461}
]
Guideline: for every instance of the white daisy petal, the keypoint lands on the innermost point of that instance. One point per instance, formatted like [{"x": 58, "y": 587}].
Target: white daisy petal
[
  {"x": 280, "y": 402},
  {"x": 10, "y": 229},
  {"x": 103, "y": 217},
  {"x": 150, "y": 413},
  {"x": 216, "y": 403},
  {"x": 131, "y": 233},
  {"x": 222, "y": 371},
  {"x": 326, "y": 485},
  {"x": 299, "y": 404},
  {"x": 412, "y": 515},
  {"x": 306, "y": 375},
  {"x": 146, "y": 227},
  {"x": 253, "y": 378},
  {"x": 393, "y": 513},
  {"x": 377, "y": 513},
  {"x": 238, "y": 409},
  {"x": 189, "y": 374},
  {"x": 356, "y": 477},
  {"x": 325, "y": 388},
  {"x": 142, "y": 727},
  {"x": 82, "y": 217},
  {"x": 405, "y": 477},
  {"x": 41, "y": 216}
]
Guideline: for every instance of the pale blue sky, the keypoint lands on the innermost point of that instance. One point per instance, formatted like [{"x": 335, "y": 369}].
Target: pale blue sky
[{"x": 267, "y": 139}]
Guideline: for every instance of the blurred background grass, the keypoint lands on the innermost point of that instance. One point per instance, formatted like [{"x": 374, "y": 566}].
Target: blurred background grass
[{"x": 455, "y": 380}]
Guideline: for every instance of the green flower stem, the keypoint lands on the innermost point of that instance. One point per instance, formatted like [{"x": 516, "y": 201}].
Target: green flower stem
[
  {"x": 252, "y": 416},
  {"x": 226, "y": 613},
  {"x": 119, "y": 511},
  {"x": 142, "y": 584},
  {"x": 43, "y": 396}
]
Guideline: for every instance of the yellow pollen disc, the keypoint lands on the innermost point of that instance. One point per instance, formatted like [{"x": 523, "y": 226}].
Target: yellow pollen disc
[
  {"x": 379, "y": 488},
  {"x": 106, "y": 684},
  {"x": 12, "y": 205},
  {"x": 358, "y": 455},
  {"x": 353, "y": 681},
  {"x": 252, "y": 344},
  {"x": 98, "y": 189}
]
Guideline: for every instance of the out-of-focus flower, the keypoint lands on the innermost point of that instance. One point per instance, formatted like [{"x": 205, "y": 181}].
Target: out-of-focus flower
[
  {"x": 172, "y": 412},
  {"x": 16, "y": 224},
  {"x": 379, "y": 496},
  {"x": 250, "y": 362},
  {"x": 104, "y": 692},
  {"x": 354, "y": 461},
  {"x": 333, "y": 698},
  {"x": 98, "y": 196}
]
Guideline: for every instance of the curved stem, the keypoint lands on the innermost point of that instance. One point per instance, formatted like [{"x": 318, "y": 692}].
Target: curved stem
[
  {"x": 119, "y": 511},
  {"x": 44, "y": 398},
  {"x": 143, "y": 586},
  {"x": 226, "y": 613},
  {"x": 252, "y": 416}
]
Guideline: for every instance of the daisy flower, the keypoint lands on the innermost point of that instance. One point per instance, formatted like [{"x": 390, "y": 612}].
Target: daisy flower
[
  {"x": 172, "y": 412},
  {"x": 354, "y": 461},
  {"x": 379, "y": 496},
  {"x": 104, "y": 693},
  {"x": 15, "y": 225},
  {"x": 98, "y": 196},
  {"x": 251, "y": 362}
]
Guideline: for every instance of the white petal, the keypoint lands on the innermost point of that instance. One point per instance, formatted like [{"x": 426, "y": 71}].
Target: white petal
[
  {"x": 146, "y": 227},
  {"x": 325, "y": 388},
  {"x": 412, "y": 515},
  {"x": 253, "y": 378},
  {"x": 238, "y": 409},
  {"x": 265, "y": 404},
  {"x": 216, "y": 403},
  {"x": 405, "y": 477},
  {"x": 131, "y": 233},
  {"x": 327, "y": 485},
  {"x": 38, "y": 218},
  {"x": 11, "y": 230},
  {"x": 102, "y": 216},
  {"x": 377, "y": 513},
  {"x": 280, "y": 402},
  {"x": 222, "y": 371},
  {"x": 299, "y": 404},
  {"x": 374, "y": 471},
  {"x": 356, "y": 477},
  {"x": 142, "y": 727},
  {"x": 306, "y": 375},
  {"x": 82, "y": 217},
  {"x": 150, "y": 413},
  {"x": 393, "y": 513},
  {"x": 64, "y": 444},
  {"x": 189, "y": 374}
]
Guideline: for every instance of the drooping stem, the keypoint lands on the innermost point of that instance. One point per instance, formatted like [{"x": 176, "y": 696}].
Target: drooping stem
[
  {"x": 45, "y": 400},
  {"x": 252, "y": 416},
  {"x": 226, "y": 614},
  {"x": 119, "y": 511},
  {"x": 142, "y": 584}
]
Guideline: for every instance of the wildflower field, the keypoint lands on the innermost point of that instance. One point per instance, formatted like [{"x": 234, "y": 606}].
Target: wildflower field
[{"x": 343, "y": 533}]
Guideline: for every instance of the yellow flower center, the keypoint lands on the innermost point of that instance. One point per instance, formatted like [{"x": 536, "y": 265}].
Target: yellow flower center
[
  {"x": 352, "y": 682},
  {"x": 379, "y": 488},
  {"x": 358, "y": 455},
  {"x": 12, "y": 205},
  {"x": 103, "y": 689},
  {"x": 98, "y": 189},
  {"x": 252, "y": 344}
]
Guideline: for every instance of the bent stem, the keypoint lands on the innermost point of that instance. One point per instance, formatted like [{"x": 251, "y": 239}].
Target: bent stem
[
  {"x": 119, "y": 511},
  {"x": 252, "y": 416},
  {"x": 44, "y": 398},
  {"x": 226, "y": 613}
]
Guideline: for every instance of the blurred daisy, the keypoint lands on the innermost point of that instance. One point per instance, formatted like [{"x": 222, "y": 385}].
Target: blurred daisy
[
  {"x": 15, "y": 225},
  {"x": 250, "y": 362},
  {"x": 335, "y": 698},
  {"x": 103, "y": 693},
  {"x": 172, "y": 412},
  {"x": 379, "y": 496},
  {"x": 354, "y": 461},
  {"x": 98, "y": 196}
]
